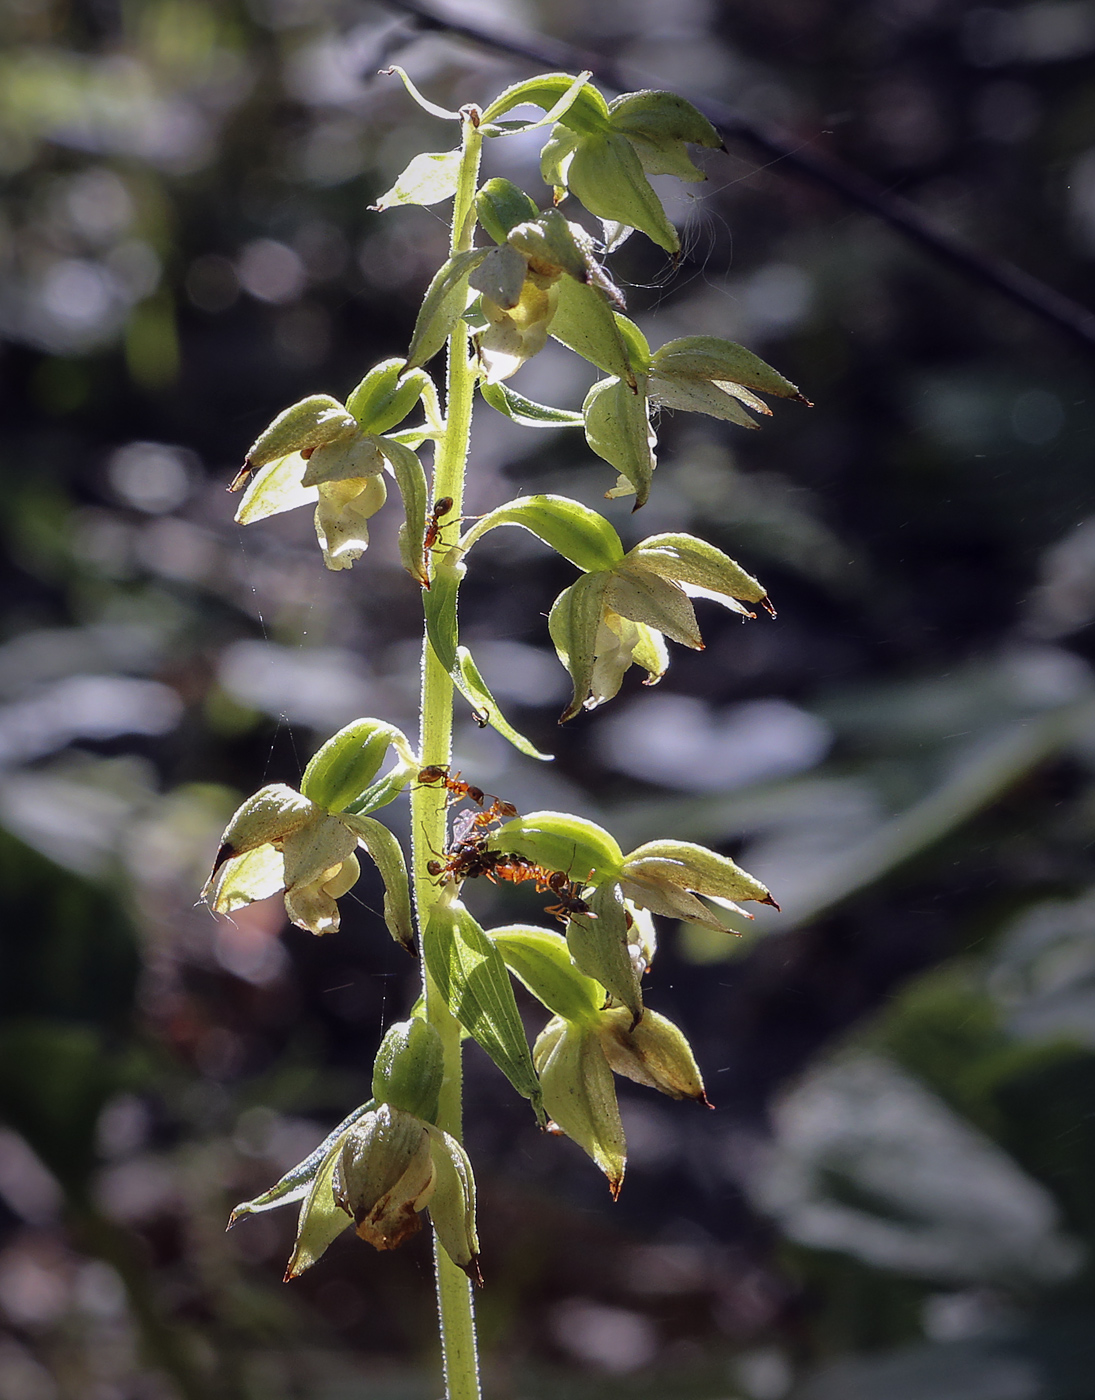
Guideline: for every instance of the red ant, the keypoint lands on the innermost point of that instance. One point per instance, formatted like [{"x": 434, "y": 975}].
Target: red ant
[
  {"x": 570, "y": 901},
  {"x": 439, "y": 773}
]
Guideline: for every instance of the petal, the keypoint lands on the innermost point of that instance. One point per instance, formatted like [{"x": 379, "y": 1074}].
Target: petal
[{"x": 342, "y": 514}]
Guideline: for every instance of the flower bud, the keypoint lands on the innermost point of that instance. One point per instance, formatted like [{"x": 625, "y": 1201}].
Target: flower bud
[
  {"x": 385, "y": 1176},
  {"x": 580, "y": 1096},
  {"x": 666, "y": 876},
  {"x": 407, "y": 1072},
  {"x": 502, "y": 205},
  {"x": 452, "y": 1205},
  {"x": 653, "y": 1052},
  {"x": 658, "y": 124}
]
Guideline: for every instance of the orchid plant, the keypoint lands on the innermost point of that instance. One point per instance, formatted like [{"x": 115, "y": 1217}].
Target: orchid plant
[{"x": 516, "y": 275}]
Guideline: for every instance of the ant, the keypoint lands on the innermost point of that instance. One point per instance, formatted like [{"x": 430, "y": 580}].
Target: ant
[
  {"x": 439, "y": 773},
  {"x": 567, "y": 893}
]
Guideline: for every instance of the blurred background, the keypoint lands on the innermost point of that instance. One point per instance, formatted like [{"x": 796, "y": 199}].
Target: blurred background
[{"x": 893, "y": 1200}]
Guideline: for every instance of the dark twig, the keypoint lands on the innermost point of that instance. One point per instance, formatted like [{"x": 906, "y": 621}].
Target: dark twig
[{"x": 858, "y": 189}]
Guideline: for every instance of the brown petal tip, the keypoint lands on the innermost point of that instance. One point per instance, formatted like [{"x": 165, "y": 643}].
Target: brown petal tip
[{"x": 771, "y": 902}]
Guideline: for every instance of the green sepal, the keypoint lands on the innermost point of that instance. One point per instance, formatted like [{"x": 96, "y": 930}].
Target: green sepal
[
  {"x": 722, "y": 401},
  {"x": 349, "y": 459},
  {"x": 312, "y": 422},
  {"x": 580, "y": 1095},
  {"x": 656, "y": 602},
  {"x": 573, "y": 624},
  {"x": 709, "y": 357},
  {"x": 579, "y": 534},
  {"x": 588, "y": 111},
  {"x": 688, "y": 560},
  {"x": 430, "y": 177},
  {"x": 271, "y": 814},
  {"x": 617, "y": 425},
  {"x": 276, "y": 488},
  {"x": 427, "y": 106},
  {"x": 606, "y": 175},
  {"x": 586, "y": 324},
  {"x": 541, "y": 960},
  {"x": 474, "y": 689},
  {"x": 411, "y": 480},
  {"x": 442, "y": 306},
  {"x": 452, "y": 1205},
  {"x": 321, "y": 1221},
  {"x": 658, "y": 124},
  {"x": 340, "y": 771},
  {"x": 409, "y": 1068},
  {"x": 386, "y": 395},
  {"x": 472, "y": 978},
  {"x": 551, "y": 241},
  {"x": 555, "y": 157},
  {"x": 296, "y": 1182},
  {"x": 501, "y": 205},
  {"x": 695, "y": 868},
  {"x": 500, "y": 277},
  {"x": 599, "y": 948},
  {"x": 560, "y": 841},
  {"x": 386, "y": 789},
  {"x": 655, "y": 1053},
  {"x": 439, "y": 606},
  {"x": 529, "y": 414},
  {"x": 387, "y": 854}
]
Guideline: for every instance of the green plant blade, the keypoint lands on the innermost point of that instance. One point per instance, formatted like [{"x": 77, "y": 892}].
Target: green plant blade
[
  {"x": 579, "y": 534},
  {"x": 388, "y": 855},
  {"x": 411, "y": 480},
  {"x": 442, "y": 306},
  {"x": 541, "y": 960},
  {"x": 474, "y": 689},
  {"x": 527, "y": 412},
  {"x": 471, "y": 976}
]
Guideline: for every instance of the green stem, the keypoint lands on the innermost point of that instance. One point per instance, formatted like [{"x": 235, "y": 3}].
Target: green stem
[{"x": 454, "y": 1299}]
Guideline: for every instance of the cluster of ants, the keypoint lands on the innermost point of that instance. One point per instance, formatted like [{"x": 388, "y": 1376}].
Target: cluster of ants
[{"x": 468, "y": 856}]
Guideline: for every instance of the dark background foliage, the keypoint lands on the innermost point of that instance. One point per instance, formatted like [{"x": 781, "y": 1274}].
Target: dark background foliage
[{"x": 893, "y": 1196}]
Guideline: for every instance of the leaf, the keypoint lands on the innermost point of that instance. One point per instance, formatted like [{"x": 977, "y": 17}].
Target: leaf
[
  {"x": 599, "y": 948},
  {"x": 426, "y": 105},
  {"x": 388, "y": 856},
  {"x": 586, "y": 324},
  {"x": 541, "y": 960},
  {"x": 439, "y": 605},
  {"x": 524, "y": 411},
  {"x": 560, "y": 841},
  {"x": 442, "y": 306},
  {"x": 296, "y": 1182},
  {"x": 411, "y": 480},
  {"x": 618, "y": 429},
  {"x": 579, "y": 534},
  {"x": 472, "y": 978},
  {"x": 474, "y": 689},
  {"x": 340, "y": 771},
  {"x": 431, "y": 177},
  {"x": 588, "y": 111}
]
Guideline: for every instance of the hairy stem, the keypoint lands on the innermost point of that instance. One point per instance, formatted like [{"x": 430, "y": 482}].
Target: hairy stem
[{"x": 454, "y": 1299}]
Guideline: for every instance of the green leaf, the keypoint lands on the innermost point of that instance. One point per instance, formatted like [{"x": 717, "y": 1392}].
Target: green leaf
[
  {"x": 439, "y": 605},
  {"x": 541, "y": 960},
  {"x": 442, "y": 306},
  {"x": 411, "y": 480},
  {"x": 655, "y": 601},
  {"x": 474, "y": 689},
  {"x": 321, "y": 1221},
  {"x": 599, "y": 948},
  {"x": 296, "y": 1182},
  {"x": 524, "y": 411},
  {"x": 560, "y": 841},
  {"x": 579, "y": 534},
  {"x": 276, "y": 488},
  {"x": 586, "y": 324},
  {"x": 587, "y": 112},
  {"x": 574, "y": 624},
  {"x": 618, "y": 429},
  {"x": 431, "y": 177},
  {"x": 387, "y": 853},
  {"x": 472, "y": 978},
  {"x": 340, "y": 771}
]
